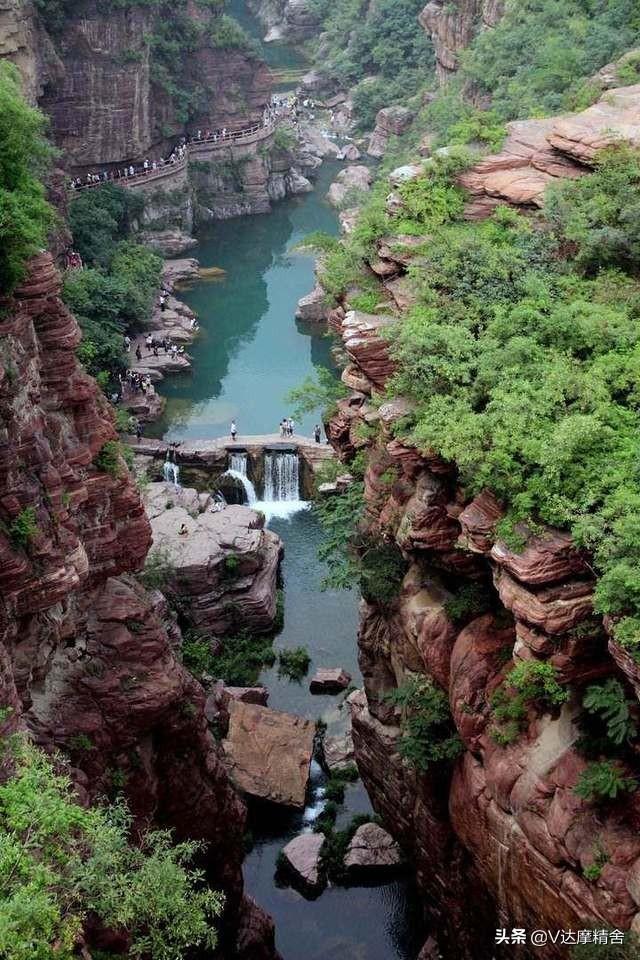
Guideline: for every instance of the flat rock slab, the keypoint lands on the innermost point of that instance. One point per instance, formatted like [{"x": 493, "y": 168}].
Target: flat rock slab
[
  {"x": 268, "y": 753},
  {"x": 372, "y": 851},
  {"x": 302, "y": 856},
  {"x": 330, "y": 680}
]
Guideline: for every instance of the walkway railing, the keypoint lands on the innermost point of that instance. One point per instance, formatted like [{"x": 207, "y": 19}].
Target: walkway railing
[{"x": 198, "y": 148}]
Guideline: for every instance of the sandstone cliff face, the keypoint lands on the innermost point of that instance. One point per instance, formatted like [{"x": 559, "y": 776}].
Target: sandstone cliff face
[
  {"x": 452, "y": 26},
  {"x": 504, "y": 825},
  {"x": 87, "y": 659},
  {"x": 501, "y": 827},
  {"x": 286, "y": 19},
  {"x": 102, "y": 85}
]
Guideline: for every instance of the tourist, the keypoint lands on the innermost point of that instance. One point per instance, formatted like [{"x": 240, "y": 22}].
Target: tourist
[
  {"x": 291, "y": 426},
  {"x": 163, "y": 302},
  {"x": 155, "y": 349},
  {"x": 138, "y": 353},
  {"x": 138, "y": 430},
  {"x": 234, "y": 430},
  {"x": 283, "y": 427},
  {"x": 183, "y": 532},
  {"x": 149, "y": 342},
  {"x": 316, "y": 432},
  {"x": 127, "y": 344}
]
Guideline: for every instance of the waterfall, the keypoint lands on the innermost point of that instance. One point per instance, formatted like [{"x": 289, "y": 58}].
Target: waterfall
[
  {"x": 317, "y": 801},
  {"x": 238, "y": 472},
  {"x": 281, "y": 485},
  {"x": 281, "y": 477},
  {"x": 171, "y": 472}
]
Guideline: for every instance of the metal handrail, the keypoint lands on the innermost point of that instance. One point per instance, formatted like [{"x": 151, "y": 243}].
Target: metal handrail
[{"x": 167, "y": 169}]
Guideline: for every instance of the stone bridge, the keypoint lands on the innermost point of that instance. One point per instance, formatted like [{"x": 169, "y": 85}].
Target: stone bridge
[
  {"x": 201, "y": 150},
  {"x": 202, "y": 461}
]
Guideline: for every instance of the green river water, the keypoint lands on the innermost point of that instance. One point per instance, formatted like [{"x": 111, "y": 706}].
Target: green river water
[{"x": 249, "y": 354}]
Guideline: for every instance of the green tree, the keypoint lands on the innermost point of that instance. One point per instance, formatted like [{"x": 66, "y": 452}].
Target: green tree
[
  {"x": 25, "y": 216},
  {"x": 60, "y": 861}
]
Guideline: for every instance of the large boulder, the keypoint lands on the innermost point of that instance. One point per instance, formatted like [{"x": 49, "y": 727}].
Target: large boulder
[
  {"x": 390, "y": 121},
  {"x": 268, "y": 753},
  {"x": 354, "y": 179},
  {"x": 224, "y": 564},
  {"x": 302, "y": 860},
  {"x": 313, "y": 307},
  {"x": 372, "y": 851}
]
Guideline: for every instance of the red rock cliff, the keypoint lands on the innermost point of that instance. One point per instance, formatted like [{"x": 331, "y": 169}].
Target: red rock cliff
[{"x": 87, "y": 658}]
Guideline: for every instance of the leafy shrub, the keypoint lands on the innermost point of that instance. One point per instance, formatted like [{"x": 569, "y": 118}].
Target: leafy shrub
[
  {"x": 381, "y": 569},
  {"x": 530, "y": 682},
  {"x": 535, "y": 61},
  {"x": 602, "y": 781},
  {"x": 109, "y": 458},
  {"x": 629, "y": 949},
  {"x": 60, "y": 861},
  {"x": 24, "y": 528},
  {"x": 520, "y": 363},
  {"x": 379, "y": 40},
  {"x": 293, "y": 664},
  {"x": 100, "y": 219},
  {"x": 470, "y": 600},
  {"x": 230, "y": 566},
  {"x": 25, "y": 216},
  {"x": 241, "y": 659},
  {"x": 428, "y": 733}
]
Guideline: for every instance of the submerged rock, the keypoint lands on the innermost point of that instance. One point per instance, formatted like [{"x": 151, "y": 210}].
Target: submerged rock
[
  {"x": 269, "y": 753},
  {"x": 372, "y": 850},
  {"x": 330, "y": 680},
  {"x": 302, "y": 856}
]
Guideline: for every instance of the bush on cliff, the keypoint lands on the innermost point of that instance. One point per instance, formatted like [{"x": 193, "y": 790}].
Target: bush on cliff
[
  {"x": 538, "y": 58},
  {"x": 109, "y": 302},
  {"x": 428, "y": 732},
  {"x": 382, "y": 40},
  {"x": 60, "y": 861},
  {"x": 25, "y": 216},
  {"x": 521, "y": 358}
]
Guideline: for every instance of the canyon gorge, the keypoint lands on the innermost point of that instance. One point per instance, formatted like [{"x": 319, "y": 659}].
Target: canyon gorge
[{"x": 415, "y": 226}]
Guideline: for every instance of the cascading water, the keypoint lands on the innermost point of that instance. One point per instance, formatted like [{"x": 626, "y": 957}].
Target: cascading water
[
  {"x": 281, "y": 485},
  {"x": 171, "y": 472},
  {"x": 238, "y": 473},
  {"x": 281, "y": 477}
]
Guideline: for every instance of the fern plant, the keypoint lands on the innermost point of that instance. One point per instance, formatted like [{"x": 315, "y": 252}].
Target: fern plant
[{"x": 608, "y": 702}]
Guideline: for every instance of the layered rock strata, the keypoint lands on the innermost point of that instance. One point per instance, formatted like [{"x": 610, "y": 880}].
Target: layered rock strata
[
  {"x": 501, "y": 828},
  {"x": 88, "y": 660}
]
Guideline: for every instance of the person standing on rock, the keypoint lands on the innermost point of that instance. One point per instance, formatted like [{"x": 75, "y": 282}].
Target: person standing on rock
[
  {"x": 163, "y": 302},
  {"x": 292, "y": 426},
  {"x": 316, "y": 432},
  {"x": 138, "y": 353},
  {"x": 138, "y": 430},
  {"x": 234, "y": 430}
]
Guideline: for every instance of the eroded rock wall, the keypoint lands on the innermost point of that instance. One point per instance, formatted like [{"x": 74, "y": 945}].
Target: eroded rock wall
[
  {"x": 104, "y": 86},
  {"x": 499, "y": 838},
  {"x": 452, "y": 26},
  {"x": 88, "y": 660}
]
